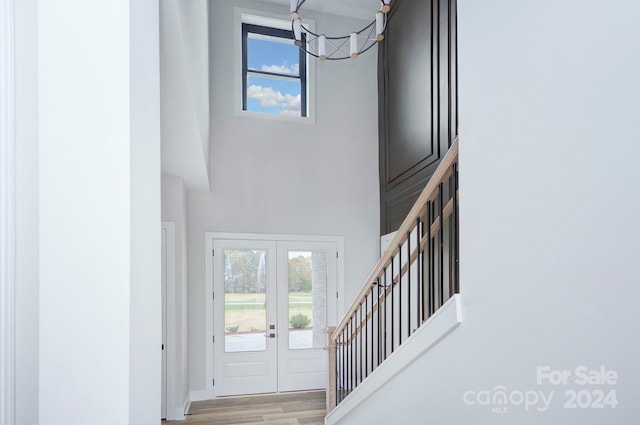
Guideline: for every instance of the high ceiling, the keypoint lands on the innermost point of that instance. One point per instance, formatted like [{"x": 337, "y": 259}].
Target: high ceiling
[{"x": 362, "y": 9}]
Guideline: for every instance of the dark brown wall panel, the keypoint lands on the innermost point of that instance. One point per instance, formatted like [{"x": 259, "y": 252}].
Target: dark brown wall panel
[
  {"x": 417, "y": 73},
  {"x": 408, "y": 88}
]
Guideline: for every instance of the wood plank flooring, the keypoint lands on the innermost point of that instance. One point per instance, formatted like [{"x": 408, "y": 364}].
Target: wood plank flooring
[{"x": 300, "y": 408}]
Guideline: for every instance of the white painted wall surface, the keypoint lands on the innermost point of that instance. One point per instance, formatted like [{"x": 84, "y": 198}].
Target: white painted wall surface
[
  {"x": 174, "y": 209},
  {"x": 549, "y": 233},
  {"x": 184, "y": 91},
  {"x": 26, "y": 231},
  {"x": 145, "y": 337},
  {"x": 99, "y": 205},
  {"x": 84, "y": 212},
  {"x": 284, "y": 177},
  {"x": 7, "y": 213},
  {"x": 194, "y": 27}
]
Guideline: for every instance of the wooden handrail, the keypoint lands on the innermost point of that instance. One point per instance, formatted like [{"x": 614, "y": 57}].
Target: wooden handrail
[
  {"x": 447, "y": 211},
  {"x": 418, "y": 210}
]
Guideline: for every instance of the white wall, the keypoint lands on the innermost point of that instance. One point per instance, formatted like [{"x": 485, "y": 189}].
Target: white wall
[
  {"x": 184, "y": 81},
  {"x": 145, "y": 336},
  {"x": 194, "y": 28},
  {"x": 549, "y": 232},
  {"x": 99, "y": 213},
  {"x": 274, "y": 176},
  {"x": 7, "y": 213},
  {"x": 26, "y": 230},
  {"x": 174, "y": 209},
  {"x": 184, "y": 90},
  {"x": 84, "y": 281}
]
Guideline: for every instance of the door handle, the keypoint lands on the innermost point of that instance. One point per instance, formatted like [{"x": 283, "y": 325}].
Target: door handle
[{"x": 272, "y": 334}]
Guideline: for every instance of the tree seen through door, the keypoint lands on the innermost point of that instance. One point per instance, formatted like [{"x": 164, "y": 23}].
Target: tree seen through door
[
  {"x": 245, "y": 299},
  {"x": 307, "y": 286},
  {"x": 245, "y": 313}
]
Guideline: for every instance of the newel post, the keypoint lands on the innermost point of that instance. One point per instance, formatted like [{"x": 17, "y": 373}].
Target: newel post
[{"x": 331, "y": 370}]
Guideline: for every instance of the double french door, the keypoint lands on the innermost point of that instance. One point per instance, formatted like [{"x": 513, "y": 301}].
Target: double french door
[{"x": 272, "y": 305}]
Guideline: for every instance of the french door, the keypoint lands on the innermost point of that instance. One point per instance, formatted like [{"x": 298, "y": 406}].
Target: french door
[{"x": 271, "y": 309}]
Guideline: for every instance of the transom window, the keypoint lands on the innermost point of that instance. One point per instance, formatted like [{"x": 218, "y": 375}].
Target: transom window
[{"x": 274, "y": 72}]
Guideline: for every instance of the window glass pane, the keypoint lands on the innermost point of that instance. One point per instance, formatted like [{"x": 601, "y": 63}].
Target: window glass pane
[
  {"x": 265, "y": 54},
  {"x": 273, "y": 96},
  {"x": 307, "y": 299},
  {"x": 245, "y": 313}
]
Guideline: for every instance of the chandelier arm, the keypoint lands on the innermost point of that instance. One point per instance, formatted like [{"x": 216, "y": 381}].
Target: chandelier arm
[
  {"x": 368, "y": 27},
  {"x": 339, "y": 48},
  {"x": 368, "y": 47},
  {"x": 336, "y": 46},
  {"x": 369, "y": 35},
  {"x": 371, "y": 25}
]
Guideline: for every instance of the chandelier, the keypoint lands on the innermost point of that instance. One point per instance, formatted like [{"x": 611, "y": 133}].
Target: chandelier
[{"x": 325, "y": 47}]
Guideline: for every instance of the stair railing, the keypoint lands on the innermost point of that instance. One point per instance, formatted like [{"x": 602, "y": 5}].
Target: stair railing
[{"x": 414, "y": 277}]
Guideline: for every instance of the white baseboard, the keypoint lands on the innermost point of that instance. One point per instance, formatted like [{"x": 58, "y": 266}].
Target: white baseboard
[{"x": 443, "y": 322}]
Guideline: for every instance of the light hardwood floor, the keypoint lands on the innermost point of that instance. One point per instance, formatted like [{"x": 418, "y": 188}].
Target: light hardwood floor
[{"x": 300, "y": 408}]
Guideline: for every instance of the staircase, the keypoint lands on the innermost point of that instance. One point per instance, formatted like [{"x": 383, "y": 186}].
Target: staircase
[{"x": 407, "y": 303}]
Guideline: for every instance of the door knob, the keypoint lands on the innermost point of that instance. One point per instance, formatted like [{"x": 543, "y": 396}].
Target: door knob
[{"x": 270, "y": 335}]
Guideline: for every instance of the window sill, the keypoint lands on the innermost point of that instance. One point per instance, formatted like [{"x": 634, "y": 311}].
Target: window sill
[{"x": 273, "y": 117}]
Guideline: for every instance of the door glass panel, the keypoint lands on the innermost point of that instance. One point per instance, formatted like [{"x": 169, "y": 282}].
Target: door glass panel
[
  {"x": 307, "y": 299},
  {"x": 245, "y": 291}
]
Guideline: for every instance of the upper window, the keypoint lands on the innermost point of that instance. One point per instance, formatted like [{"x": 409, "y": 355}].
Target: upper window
[{"x": 274, "y": 72}]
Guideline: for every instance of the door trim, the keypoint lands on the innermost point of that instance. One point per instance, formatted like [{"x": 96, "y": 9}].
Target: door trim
[
  {"x": 209, "y": 238},
  {"x": 170, "y": 300}
]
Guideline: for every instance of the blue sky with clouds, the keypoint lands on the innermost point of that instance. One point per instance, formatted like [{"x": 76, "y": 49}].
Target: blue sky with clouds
[{"x": 273, "y": 95}]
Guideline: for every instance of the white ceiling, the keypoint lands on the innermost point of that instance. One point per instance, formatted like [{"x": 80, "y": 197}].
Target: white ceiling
[{"x": 361, "y": 9}]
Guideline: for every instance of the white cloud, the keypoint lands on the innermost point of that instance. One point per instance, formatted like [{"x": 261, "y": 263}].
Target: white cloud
[
  {"x": 267, "y": 97},
  {"x": 282, "y": 69}
]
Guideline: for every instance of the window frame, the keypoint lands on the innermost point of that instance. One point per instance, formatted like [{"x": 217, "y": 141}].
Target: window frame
[{"x": 249, "y": 28}]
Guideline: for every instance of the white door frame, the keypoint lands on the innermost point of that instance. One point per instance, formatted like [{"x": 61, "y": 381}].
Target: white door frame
[
  {"x": 210, "y": 236},
  {"x": 7, "y": 213},
  {"x": 170, "y": 345}
]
